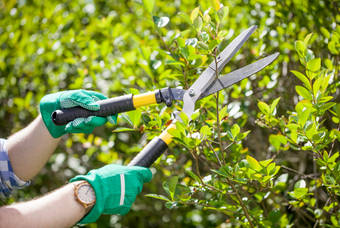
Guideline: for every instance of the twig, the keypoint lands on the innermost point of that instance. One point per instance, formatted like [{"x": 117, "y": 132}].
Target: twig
[
  {"x": 336, "y": 7},
  {"x": 242, "y": 204},
  {"x": 323, "y": 210},
  {"x": 315, "y": 184},
  {"x": 330, "y": 152},
  {"x": 303, "y": 218},
  {"x": 228, "y": 146},
  {"x": 206, "y": 205},
  {"x": 303, "y": 175},
  {"x": 207, "y": 162},
  {"x": 212, "y": 148},
  {"x": 217, "y": 113}
]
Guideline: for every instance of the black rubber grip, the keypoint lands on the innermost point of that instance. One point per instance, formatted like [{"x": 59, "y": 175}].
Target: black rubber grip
[
  {"x": 108, "y": 107},
  {"x": 151, "y": 152}
]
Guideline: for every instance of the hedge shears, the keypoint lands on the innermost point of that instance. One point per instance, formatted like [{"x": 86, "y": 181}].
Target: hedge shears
[{"x": 205, "y": 85}]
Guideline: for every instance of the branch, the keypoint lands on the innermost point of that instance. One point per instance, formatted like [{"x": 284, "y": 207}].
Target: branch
[
  {"x": 246, "y": 213},
  {"x": 212, "y": 148}
]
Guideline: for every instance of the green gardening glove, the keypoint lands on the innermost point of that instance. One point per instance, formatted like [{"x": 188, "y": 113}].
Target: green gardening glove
[
  {"x": 68, "y": 99},
  {"x": 116, "y": 188}
]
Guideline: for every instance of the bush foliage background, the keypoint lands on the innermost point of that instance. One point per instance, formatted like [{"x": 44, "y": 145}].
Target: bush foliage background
[{"x": 117, "y": 47}]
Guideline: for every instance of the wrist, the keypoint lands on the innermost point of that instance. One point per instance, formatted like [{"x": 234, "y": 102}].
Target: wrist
[{"x": 84, "y": 195}]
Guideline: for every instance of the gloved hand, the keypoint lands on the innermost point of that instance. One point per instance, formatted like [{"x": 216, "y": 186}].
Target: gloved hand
[
  {"x": 69, "y": 99},
  {"x": 116, "y": 188}
]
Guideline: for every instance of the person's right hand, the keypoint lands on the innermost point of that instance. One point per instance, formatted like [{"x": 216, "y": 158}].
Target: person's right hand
[
  {"x": 69, "y": 99},
  {"x": 116, "y": 188}
]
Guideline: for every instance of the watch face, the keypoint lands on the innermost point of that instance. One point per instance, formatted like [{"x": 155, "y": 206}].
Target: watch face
[{"x": 86, "y": 194}]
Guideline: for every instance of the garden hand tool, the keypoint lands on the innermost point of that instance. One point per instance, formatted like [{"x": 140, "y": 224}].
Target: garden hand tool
[{"x": 208, "y": 83}]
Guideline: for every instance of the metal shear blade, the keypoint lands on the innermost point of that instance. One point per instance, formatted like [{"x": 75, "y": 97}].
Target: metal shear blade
[{"x": 208, "y": 76}]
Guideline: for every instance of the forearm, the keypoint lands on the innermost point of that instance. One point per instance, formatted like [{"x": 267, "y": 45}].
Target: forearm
[
  {"x": 30, "y": 149},
  {"x": 57, "y": 209}
]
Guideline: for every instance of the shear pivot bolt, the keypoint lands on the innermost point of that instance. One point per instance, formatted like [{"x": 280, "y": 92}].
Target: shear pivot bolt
[{"x": 192, "y": 93}]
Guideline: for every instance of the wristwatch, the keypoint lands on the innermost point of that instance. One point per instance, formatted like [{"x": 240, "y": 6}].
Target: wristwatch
[{"x": 84, "y": 194}]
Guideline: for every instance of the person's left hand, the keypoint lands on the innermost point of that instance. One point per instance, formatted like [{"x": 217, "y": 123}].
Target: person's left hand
[{"x": 116, "y": 188}]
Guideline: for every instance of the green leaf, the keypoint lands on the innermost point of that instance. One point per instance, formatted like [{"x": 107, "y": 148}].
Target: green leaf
[
  {"x": 174, "y": 62},
  {"x": 184, "y": 117},
  {"x": 303, "y": 92},
  {"x": 126, "y": 118},
  {"x": 172, "y": 186},
  {"x": 333, "y": 158},
  {"x": 334, "y": 220},
  {"x": 161, "y": 21},
  {"x": 325, "y": 33},
  {"x": 194, "y": 57},
  {"x": 222, "y": 33},
  {"x": 227, "y": 171},
  {"x": 253, "y": 163},
  {"x": 194, "y": 13},
  {"x": 135, "y": 117},
  {"x": 307, "y": 38},
  {"x": 175, "y": 133},
  {"x": 213, "y": 44},
  {"x": 195, "y": 114},
  {"x": 235, "y": 129},
  {"x": 271, "y": 168},
  {"x": 309, "y": 55},
  {"x": 300, "y": 184},
  {"x": 158, "y": 197},
  {"x": 217, "y": 18},
  {"x": 274, "y": 216},
  {"x": 303, "y": 78},
  {"x": 313, "y": 66},
  {"x": 332, "y": 47},
  {"x": 149, "y": 5},
  {"x": 316, "y": 86},
  {"x": 241, "y": 136},
  {"x": 185, "y": 17},
  {"x": 277, "y": 140},
  {"x": 273, "y": 105},
  {"x": 203, "y": 46},
  {"x": 28, "y": 98},
  {"x": 123, "y": 129},
  {"x": 318, "y": 213},
  {"x": 223, "y": 174},
  {"x": 194, "y": 176},
  {"x": 300, "y": 192},
  {"x": 337, "y": 109},
  {"x": 191, "y": 42},
  {"x": 329, "y": 64},
  {"x": 301, "y": 48},
  {"x": 147, "y": 69},
  {"x": 263, "y": 107},
  {"x": 184, "y": 51},
  {"x": 206, "y": 19},
  {"x": 223, "y": 13},
  {"x": 303, "y": 117},
  {"x": 326, "y": 106},
  {"x": 215, "y": 4},
  {"x": 169, "y": 205},
  {"x": 198, "y": 23},
  {"x": 180, "y": 126},
  {"x": 204, "y": 131},
  {"x": 266, "y": 162},
  {"x": 244, "y": 164},
  {"x": 332, "y": 205}
]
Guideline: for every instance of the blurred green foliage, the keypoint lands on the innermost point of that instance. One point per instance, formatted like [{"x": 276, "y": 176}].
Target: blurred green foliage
[{"x": 118, "y": 47}]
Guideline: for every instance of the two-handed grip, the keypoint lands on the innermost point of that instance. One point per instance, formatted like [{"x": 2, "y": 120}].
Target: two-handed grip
[{"x": 153, "y": 150}]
